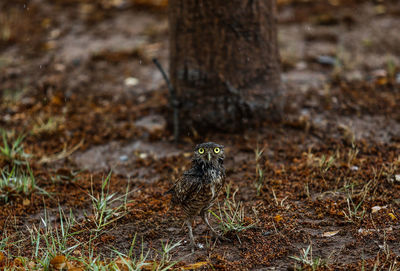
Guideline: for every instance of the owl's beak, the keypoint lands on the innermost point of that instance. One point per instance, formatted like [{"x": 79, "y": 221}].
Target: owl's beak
[{"x": 209, "y": 156}]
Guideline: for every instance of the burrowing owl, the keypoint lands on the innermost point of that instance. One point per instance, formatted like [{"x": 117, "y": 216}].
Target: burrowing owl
[{"x": 198, "y": 188}]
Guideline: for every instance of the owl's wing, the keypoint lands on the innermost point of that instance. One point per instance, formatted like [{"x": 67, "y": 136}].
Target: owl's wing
[{"x": 186, "y": 187}]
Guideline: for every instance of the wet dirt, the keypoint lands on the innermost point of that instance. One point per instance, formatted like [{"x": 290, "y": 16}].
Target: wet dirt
[{"x": 84, "y": 68}]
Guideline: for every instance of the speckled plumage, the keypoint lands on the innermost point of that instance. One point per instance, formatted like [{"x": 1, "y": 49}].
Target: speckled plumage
[{"x": 199, "y": 187}]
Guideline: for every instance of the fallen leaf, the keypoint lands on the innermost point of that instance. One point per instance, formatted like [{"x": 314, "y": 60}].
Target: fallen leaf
[
  {"x": 377, "y": 208},
  {"x": 392, "y": 216},
  {"x": 31, "y": 265},
  {"x": 58, "y": 262},
  {"x": 382, "y": 81},
  {"x": 56, "y": 100},
  {"x": 2, "y": 258},
  {"x": 131, "y": 81},
  {"x": 278, "y": 218},
  {"x": 26, "y": 202},
  {"x": 17, "y": 262},
  {"x": 330, "y": 233},
  {"x": 77, "y": 252},
  {"x": 364, "y": 231},
  {"x": 123, "y": 264},
  {"x": 194, "y": 266},
  {"x": 152, "y": 3}
]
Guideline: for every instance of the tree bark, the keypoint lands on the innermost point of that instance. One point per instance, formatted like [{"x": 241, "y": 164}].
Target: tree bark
[{"x": 224, "y": 62}]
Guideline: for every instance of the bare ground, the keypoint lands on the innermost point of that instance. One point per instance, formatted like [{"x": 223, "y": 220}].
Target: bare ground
[{"x": 85, "y": 67}]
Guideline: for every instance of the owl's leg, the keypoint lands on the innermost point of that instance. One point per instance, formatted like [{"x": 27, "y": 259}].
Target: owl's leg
[
  {"x": 189, "y": 223},
  {"x": 216, "y": 234}
]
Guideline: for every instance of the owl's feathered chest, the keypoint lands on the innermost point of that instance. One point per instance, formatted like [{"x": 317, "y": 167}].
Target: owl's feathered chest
[
  {"x": 198, "y": 188},
  {"x": 210, "y": 175},
  {"x": 213, "y": 181}
]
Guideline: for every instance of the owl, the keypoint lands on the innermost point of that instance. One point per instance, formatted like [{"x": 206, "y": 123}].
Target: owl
[{"x": 198, "y": 188}]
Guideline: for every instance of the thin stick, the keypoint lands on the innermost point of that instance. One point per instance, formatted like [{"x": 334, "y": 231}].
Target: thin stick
[{"x": 173, "y": 101}]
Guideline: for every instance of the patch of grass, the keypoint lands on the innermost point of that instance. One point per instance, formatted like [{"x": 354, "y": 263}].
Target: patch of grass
[
  {"x": 307, "y": 260},
  {"x": 352, "y": 155},
  {"x": 16, "y": 182},
  {"x": 391, "y": 170},
  {"x": 163, "y": 260},
  {"x": 68, "y": 176},
  {"x": 11, "y": 96},
  {"x": 355, "y": 211},
  {"x": 12, "y": 151},
  {"x": 391, "y": 67},
  {"x": 49, "y": 241},
  {"x": 344, "y": 62},
  {"x": 130, "y": 260},
  {"x": 103, "y": 211},
  {"x": 231, "y": 215},
  {"x": 325, "y": 163},
  {"x": 281, "y": 202},
  {"x": 386, "y": 259},
  {"x": 47, "y": 127},
  {"x": 20, "y": 180},
  {"x": 61, "y": 155},
  {"x": 259, "y": 170}
]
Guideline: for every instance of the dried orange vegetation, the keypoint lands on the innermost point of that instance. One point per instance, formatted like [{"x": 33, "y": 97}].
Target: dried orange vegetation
[{"x": 330, "y": 169}]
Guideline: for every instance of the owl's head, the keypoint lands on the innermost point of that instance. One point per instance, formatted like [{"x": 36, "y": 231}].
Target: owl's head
[{"x": 209, "y": 153}]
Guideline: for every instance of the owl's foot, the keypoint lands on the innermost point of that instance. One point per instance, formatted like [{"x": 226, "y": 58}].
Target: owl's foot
[
  {"x": 193, "y": 247},
  {"x": 192, "y": 243}
]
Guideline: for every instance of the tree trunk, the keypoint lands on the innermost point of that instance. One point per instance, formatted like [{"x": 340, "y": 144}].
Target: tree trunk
[{"x": 224, "y": 62}]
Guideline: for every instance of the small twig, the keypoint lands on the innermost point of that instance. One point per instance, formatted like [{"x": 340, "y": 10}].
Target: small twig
[
  {"x": 61, "y": 155},
  {"x": 173, "y": 101}
]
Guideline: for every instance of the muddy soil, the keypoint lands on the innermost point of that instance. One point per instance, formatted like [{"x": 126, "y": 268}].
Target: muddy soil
[{"x": 76, "y": 78}]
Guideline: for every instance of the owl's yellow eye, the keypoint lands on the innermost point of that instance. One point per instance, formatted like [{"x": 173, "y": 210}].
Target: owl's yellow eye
[
  {"x": 201, "y": 150},
  {"x": 217, "y": 150}
]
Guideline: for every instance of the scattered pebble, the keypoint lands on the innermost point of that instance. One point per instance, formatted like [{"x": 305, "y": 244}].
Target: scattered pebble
[
  {"x": 55, "y": 33},
  {"x": 266, "y": 233},
  {"x": 353, "y": 76},
  {"x": 59, "y": 67},
  {"x": 172, "y": 229},
  {"x": 131, "y": 81},
  {"x": 123, "y": 158},
  {"x": 361, "y": 230},
  {"x": 301, "y": 65},
  {"x": 397, "y": 177},
  {"x": 354, "y": 168},
  {"x": 379, "y": 73},
  {"x": 327, "y": 60},
  {"x": 201, "y": 246}
]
